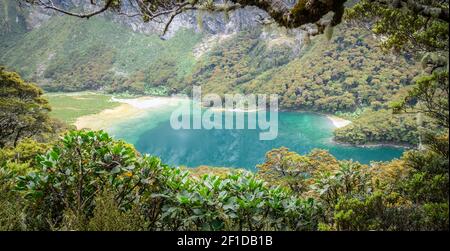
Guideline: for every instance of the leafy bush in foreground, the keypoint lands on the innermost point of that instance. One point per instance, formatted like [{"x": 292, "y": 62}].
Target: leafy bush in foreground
[
  {"x": 239, "y": 201},
  {"x": 89, "y": 169},
  {"x": 88, "y": 181},
  {"x": 407, "y": 194}
]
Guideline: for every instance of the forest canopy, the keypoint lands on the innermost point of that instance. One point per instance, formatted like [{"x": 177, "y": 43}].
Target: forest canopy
[{"x": 86, "y": 180}]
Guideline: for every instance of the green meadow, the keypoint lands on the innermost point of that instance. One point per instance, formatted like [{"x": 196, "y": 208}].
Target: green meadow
[{"x": 69, "y": 106}]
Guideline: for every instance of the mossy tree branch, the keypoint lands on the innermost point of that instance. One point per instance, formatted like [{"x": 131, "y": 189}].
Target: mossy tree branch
[{"x": 301, "y": 13}]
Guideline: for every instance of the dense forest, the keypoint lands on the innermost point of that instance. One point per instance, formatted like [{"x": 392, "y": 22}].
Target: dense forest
[{"x": 395, "y": 90}]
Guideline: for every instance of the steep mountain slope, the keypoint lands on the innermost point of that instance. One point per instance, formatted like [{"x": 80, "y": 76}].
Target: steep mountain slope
[
  {"x": 62, "y": 53},
  {"x": 344, "y": 74},
  {"x": 70, "y": 54}
]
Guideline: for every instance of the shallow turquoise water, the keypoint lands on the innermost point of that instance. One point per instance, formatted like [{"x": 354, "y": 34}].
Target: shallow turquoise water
[{"x": 300, "y": 132}]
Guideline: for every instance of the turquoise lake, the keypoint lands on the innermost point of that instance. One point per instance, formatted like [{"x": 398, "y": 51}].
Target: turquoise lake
[{"x": 299, "y": 131}]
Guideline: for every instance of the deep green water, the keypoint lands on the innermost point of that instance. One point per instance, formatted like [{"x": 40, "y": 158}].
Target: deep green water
[{"x": 300, "y": 132}]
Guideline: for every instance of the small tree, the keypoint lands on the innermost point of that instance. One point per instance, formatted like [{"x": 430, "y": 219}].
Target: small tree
[{"x": 24, "y": 111}]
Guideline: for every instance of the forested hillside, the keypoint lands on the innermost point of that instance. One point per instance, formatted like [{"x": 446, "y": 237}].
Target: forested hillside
[
  {"x": 384, "y": 66},
  {"x": 345, "y": 72},
  {"x": 86, "y": 180},
  {"x": 72, "y": 55}
]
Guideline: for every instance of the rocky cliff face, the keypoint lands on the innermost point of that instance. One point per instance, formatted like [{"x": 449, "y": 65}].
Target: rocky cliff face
[
  {"x": 213, "y": 25},
  {"x": 208, "y": 23}
]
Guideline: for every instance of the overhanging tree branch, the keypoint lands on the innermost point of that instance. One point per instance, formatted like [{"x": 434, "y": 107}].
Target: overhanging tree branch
[
  {"x": 301, "y": 13},
  {"x": 48, "y": 4}
]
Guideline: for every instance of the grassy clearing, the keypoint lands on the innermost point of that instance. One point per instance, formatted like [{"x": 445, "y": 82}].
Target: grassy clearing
[{"x": 69, "y": 106}]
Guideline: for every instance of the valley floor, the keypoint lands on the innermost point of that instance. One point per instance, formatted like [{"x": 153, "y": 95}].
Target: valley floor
[
  {"x": 102, "y": 116},
  {"x": 128, "y": 108}
]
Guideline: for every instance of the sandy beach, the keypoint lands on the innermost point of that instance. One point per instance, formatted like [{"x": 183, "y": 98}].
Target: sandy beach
[
  {"x": 136, "y": 107},
  {"x": 338, "y": 122},
  {"x": 130, "y": 108},
  {"x": 144, "y": 103}
]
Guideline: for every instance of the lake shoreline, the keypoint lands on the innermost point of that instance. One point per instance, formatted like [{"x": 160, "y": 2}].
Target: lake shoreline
[
  {"x": 375, "y": 145},
  {"x": 138, "y": 106},
  {"x": 121, "y": 115},
  {"x": 104, "y": 119},
  {"x": 129, "y": 108},
  {"x": 337, "y": 122}
]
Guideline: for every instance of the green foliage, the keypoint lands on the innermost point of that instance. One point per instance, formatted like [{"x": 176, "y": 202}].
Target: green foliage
[
  {"x": 88, "y": 179},
  {"x": 348, "y": 180},
  {"x": 24, "y": 112},
  {"x": 429, "y": 96},
  {"x": 429, "y": 179},
  {"x": 238, "y": 201},
  {"x": 24, "y": 153},
  {"x": 12, "y": 23},
  {"x": 328, "y": 32},
  {"x": 354, "y": 200},
  {"x": 346, "y": 74},
  {"x": 70, "y": 175},
  {"x": 107, "y": 216},
  {"x": 69, "y": 54},
  {"x": 229, "y": 66},
  {"x": 11, "y": 204},
  {"x": 356, "y": 214},
  {"x": 406, "y": 194},
  {"x": 382, "y": 127},
  {"x": 436, "y": 216},
  {"x": 292, "y": 170},
  {"x": 403, "y": 28}
]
